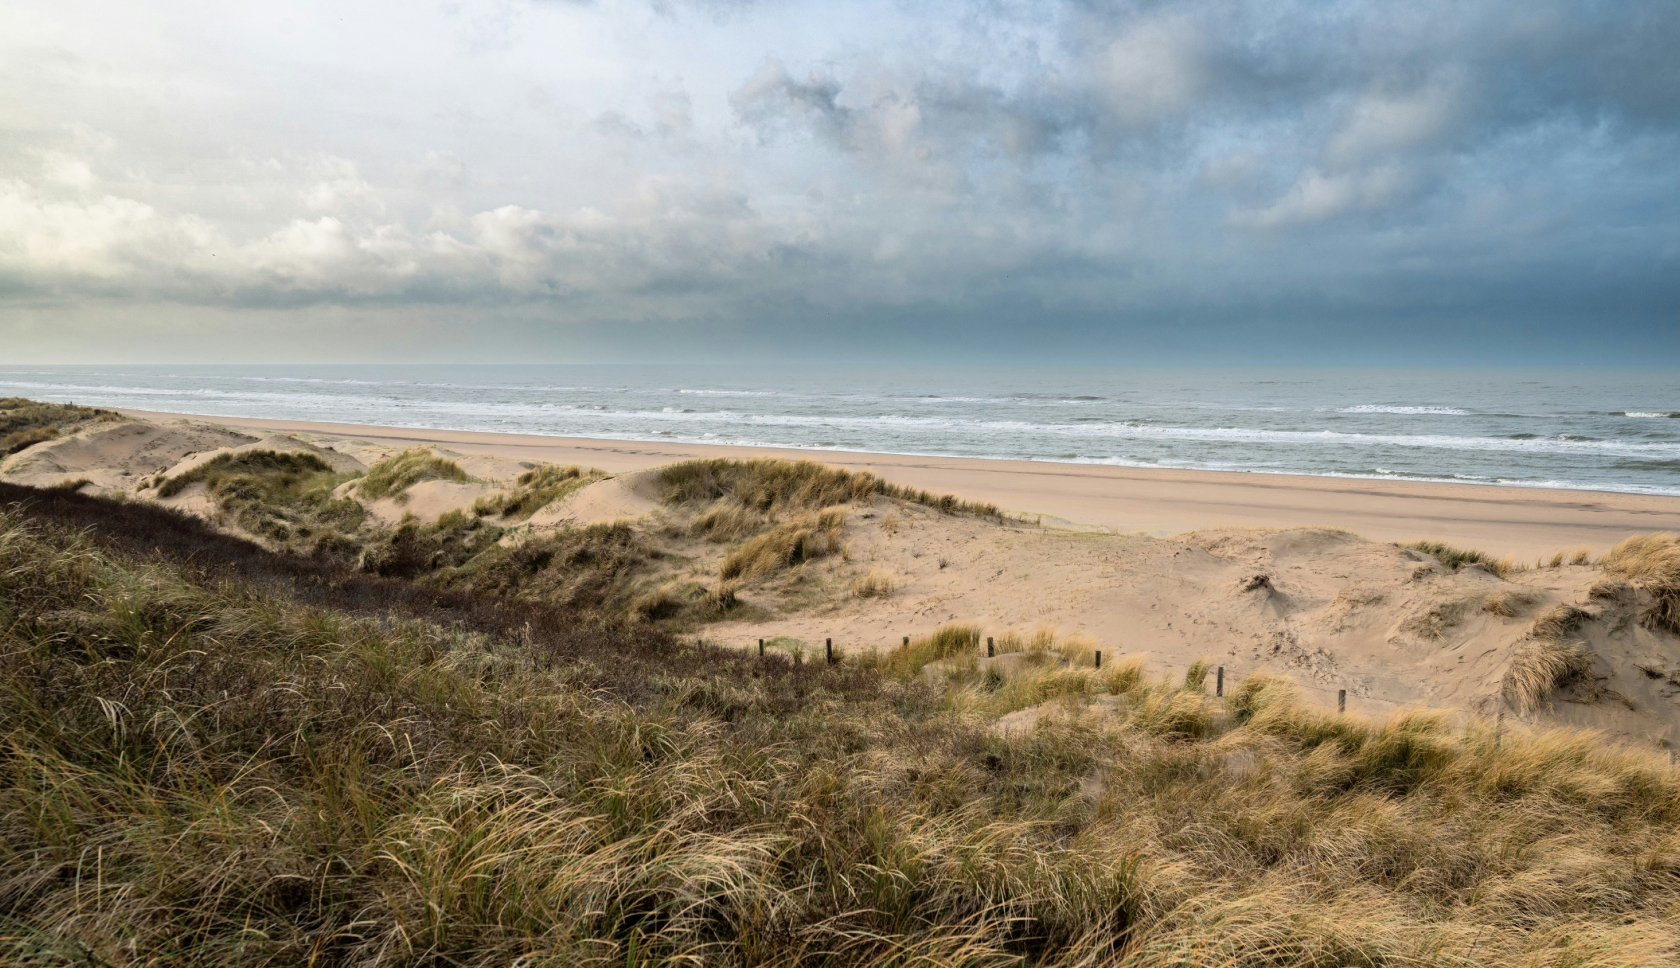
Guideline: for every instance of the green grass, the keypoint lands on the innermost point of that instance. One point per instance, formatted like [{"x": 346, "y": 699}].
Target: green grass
[
  {"x": 24, "y": 423},
  {"x": 283, "y": 496},
  {"x": 399, "y": 472},
  {"x": 201, "y": 769}
]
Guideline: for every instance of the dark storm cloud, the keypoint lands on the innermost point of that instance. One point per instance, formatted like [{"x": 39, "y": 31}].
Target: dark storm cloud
[{"x": 1125, "y": 168}]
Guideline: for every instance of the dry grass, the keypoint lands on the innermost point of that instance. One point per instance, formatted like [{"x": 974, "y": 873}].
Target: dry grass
[
  {"x": 201, "y": 771},
  {"x": 873, "y": 584},
  {"x": 1510, "y": 602},
  {"x": 1651, "y": 561},
  {"x": 536, "y": 489},
  {"x": 1456, "y": 558},
  {"x": 25, "y": 423},
  {"x": 399, "y": 472},
  {"x": 955, "y": 641},
  {"x": 1559, "y": 622},
  {"x": 1575, "y": 556},
  {"x": 1541, "y": 668},
  {"x": 787, "y": 545},
  {"x": 1437, "y": 620}
]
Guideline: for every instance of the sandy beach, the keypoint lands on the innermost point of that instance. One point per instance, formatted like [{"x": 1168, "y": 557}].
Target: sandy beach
[{"x": 1523, "y": 522}]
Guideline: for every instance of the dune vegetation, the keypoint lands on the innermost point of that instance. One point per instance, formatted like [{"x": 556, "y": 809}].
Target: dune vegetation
[
  {"x": 394, "y": 475},
  {"x": 24, "y": 423},
  {"x": 217, "y": 754}
]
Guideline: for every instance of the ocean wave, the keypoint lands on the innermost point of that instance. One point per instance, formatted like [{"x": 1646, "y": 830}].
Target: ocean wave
[
  {"x": 1670, "y": 414},
  {"x": 1406, "y": 410}
]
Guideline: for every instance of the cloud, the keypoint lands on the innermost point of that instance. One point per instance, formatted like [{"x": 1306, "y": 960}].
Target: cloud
[{"x": 1187, "y": 159}]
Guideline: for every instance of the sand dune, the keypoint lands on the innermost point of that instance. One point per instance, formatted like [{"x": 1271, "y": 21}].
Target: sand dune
[
  {"x": 1293, "y": 576},
  {"x": 1524, "y": 522}
]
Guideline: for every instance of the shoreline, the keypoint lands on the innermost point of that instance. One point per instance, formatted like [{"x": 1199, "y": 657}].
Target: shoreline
[{"x": 1498, "y": 519}]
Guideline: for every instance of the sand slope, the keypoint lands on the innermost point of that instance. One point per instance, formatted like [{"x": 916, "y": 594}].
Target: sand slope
[
  {"x": 114, "y": 457},
  {"x": 1333, "y": 609}
]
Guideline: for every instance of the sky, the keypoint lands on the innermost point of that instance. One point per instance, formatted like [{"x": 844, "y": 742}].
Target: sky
[{"x": 880, "y": 180}]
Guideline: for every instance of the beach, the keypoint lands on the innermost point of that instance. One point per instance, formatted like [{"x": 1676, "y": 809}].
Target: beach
[{"x": 1524, "y": 522}]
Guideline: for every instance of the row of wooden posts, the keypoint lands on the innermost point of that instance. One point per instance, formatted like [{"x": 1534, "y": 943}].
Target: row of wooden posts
[
  {"x": 1096, "y": 663},
  {"x": 1218, "y": 687}
]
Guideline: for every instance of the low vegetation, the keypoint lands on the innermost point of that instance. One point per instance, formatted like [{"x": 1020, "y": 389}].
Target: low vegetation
[
  {"x": 806, "y": 537},
  {"x": 1456, "y": 558},
  {"x": 282, "y": 496},
  {"x": 1651, "y": 562},
  {"x": 772, "y": 487},
  {"x": 1539, "y": 669},
  {"x": 394, "y": 475},
  {"x": 24, "y": 423},
  {"x": 536, "y": 489},
  {"x": 217, "y": 755},
  {"x": 872, "y": 584}
]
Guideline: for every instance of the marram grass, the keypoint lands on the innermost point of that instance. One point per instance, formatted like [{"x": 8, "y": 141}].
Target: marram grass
[{"x": 201, "y": 771}]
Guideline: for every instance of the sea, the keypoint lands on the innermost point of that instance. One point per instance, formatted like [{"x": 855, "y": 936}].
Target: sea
[{"x": 1569, "y": 427}]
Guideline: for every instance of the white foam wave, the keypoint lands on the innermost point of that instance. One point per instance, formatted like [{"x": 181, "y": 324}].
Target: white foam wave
[{"x": 1406, "y": 410}]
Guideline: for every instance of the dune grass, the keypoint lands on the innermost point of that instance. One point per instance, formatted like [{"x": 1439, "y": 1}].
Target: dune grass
[
  {"x": 1651, "y": 561},
  {"x": 1455, "y": 558},
  {"x": 202, "y": 770},
  {"x": 874, "y": 583},
  {"x": 25, "y": 423},
  {"x": 806, "y": 537},
  {"x": 771, "y": 487},
  {"x": 399, "y": 472},
  {"x": 1509, "y": 602},
  {"x": 1539, "y": 669},
  {"x": 536, "y": 489},
  {"x": 283, "y": 496}
]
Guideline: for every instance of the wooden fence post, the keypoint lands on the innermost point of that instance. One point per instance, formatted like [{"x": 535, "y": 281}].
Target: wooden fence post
[
  {"x": 1341, "y": 700},
  {"x": 829, "y": 645},
  {"x": 761, "y": 648},
  {"x": 989, "y": 650},
  {"x": 1219, "y": 682},
  {"x": 1099, "y": 659}
]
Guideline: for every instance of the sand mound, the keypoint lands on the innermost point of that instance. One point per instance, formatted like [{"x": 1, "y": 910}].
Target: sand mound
[
  {"x": 626, "y": 496},
  {"x": 278, "y": 443},
  {"x": 429, "y": 500},
  {"x": 114, "y": 457}
]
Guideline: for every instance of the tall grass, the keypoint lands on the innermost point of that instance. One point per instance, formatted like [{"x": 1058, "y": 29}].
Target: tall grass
[
  {"x": 204, "y": 771},
  {"x": 791, "y": 543},
  {"x": 1651, "y": 561}
]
